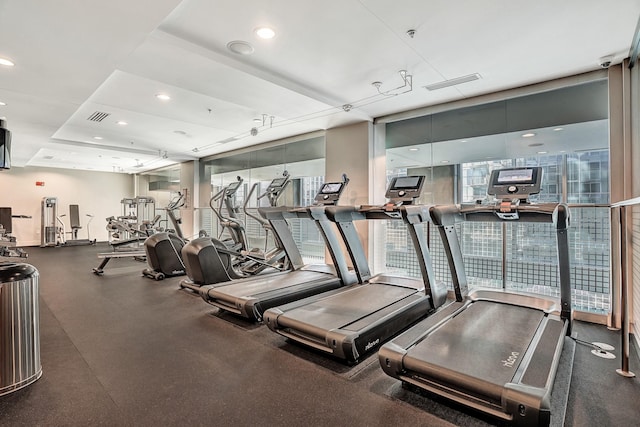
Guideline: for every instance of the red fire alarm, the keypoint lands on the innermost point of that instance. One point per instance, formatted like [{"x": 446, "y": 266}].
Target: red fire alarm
[{"x": 39, "y": 183}]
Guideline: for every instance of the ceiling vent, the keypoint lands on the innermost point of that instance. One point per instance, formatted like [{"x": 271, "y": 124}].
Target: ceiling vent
[
  {"x": 453, "y": 82},
  {"x": 224, "y": 141},
  {"x": 98, "y": 116}
]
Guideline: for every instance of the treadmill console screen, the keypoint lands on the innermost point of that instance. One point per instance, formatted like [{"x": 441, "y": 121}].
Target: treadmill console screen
[
  {"x": 330, "y": 193},
  {"x": 515, "y": 182},
  {"x": 405, "y": 189}
]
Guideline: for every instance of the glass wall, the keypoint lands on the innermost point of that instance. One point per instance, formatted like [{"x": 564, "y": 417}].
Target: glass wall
[
  {"x": 302, "y": 160},
  {"x": 572, "y": 149}
]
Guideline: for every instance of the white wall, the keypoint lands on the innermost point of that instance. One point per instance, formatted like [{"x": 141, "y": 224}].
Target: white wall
[{"x": 97, "y": 193}]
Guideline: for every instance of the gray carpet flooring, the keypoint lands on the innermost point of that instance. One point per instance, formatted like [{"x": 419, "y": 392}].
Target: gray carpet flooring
[{"x": 124, "y": 350}]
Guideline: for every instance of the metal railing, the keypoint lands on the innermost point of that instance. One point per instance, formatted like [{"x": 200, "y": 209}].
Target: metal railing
[{"x": 619, "y": 209}]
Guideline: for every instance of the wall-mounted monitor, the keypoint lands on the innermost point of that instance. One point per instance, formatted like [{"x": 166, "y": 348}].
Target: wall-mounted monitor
[{"x": 5, "y": 146}]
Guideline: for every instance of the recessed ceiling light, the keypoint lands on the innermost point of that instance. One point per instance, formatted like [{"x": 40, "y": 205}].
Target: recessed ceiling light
[
  {"x": 257, "y": 120},
  {"x": 97, "y": 137},
  {"x": 413, "y": 149},
  {"x": 163, "y": 96},
  {"x": 536, "y": 144},
  {"x": 240, "y": 47},
  {"x": 557, "y": 129},
  {"x": 3, "y": 103},
  {"x": 265, "y": 33},
  {"x": 542, "y": 152},
  {"x": 7, "y": 62},
  {"x": 444, "y": 161},
  {"x": 528, "y": 135},
  {"x": 122, "y": 123}
]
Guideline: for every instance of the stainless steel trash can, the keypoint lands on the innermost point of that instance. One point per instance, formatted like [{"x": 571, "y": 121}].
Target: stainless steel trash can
[{"x": 19, "y": 327}]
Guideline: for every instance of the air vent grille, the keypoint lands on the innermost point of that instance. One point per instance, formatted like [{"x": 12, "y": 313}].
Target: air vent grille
[
  {"x": 98, "y": 116},
  {"x": 453, "y": 82}
]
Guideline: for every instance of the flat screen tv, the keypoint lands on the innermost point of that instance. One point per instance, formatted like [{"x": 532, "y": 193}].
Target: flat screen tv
[{"x": 5, "y": 146}]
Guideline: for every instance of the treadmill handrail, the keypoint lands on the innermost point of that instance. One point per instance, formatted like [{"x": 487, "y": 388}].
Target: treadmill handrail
[
  {"x": 446, "y": 216},
  {"x": 556, "y": 213},
  {"x": 412, "y": 215}
]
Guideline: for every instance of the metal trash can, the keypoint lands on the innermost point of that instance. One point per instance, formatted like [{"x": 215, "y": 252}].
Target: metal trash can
[{"x": 19, "y": 327}]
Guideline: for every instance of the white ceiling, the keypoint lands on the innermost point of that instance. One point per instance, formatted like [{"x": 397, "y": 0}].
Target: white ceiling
[{"x": 74, "y": 58}]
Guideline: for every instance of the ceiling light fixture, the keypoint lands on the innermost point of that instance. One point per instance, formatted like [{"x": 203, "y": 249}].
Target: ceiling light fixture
[
  {"x": 7, "y": 62},
  {"x": 97, "y": 137},
  {"x": 528, "y": 135},
  {"x": 3, "y": 103},
  {"x": 557, "y": 129},
  {"x": 444, "y": 161},
  {"x": 413, "y": 149},
  {"x": 163, "y": 97},
  {"x": 122, "y": 123},
  {"x": 542, "y": 152},
  {"x": 265, "y": 33},
  {"x": 240, "y": 47}
]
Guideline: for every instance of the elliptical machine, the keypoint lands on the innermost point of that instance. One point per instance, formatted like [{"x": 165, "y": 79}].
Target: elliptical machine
[
  {"x": 237, "y": 240},
  {"x": 163, "y": 249},
  {"x": 199, "y": 254}
]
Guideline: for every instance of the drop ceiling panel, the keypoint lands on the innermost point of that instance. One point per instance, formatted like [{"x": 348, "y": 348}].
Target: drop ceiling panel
[{"x": 73, "y": 58}]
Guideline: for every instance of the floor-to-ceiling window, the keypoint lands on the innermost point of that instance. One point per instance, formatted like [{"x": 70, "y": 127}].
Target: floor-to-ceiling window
[
  {"x": 565, "y": 131},
  {"x": 302, "y": 160}
]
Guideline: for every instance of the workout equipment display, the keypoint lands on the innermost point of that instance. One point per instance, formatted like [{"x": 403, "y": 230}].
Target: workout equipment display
[
  {"x": 128, "y": 232},
  {"x": 74, "y": 223},
  {"x": 251, "y": 296},
  {"x": 357, "y": 319},
  {"x": 491, "y": 350},
  {"x": 231, "y": 261},
  {"x": 51, "y": 230},
  {"x": 256, "y": 260},
  {"x": 230, "y": 224},
  {"x": 7, "y": 241},
  {"x": 163, "y": 250}
]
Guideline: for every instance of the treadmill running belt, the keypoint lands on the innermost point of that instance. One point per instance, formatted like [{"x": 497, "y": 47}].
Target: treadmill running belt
[
  {"x": 258, "y": 285},
  {"x": 340, "y": 310},
  {"x": 479, "y": 350}
]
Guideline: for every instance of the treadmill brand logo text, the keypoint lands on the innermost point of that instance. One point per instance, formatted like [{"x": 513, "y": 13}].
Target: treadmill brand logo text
[
  {"x": 511, "y": 360},
  {"x": 371, "y": 344}
]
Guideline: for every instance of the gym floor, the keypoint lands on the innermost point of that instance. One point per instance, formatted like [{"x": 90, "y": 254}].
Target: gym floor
[{"x": 124, "y": 350}]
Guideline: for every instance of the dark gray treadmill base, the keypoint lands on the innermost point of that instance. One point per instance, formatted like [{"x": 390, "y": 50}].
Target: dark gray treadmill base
[
  {"x": 463, "y": 416},
  {"x": 475, "y": 346},
  {"x": 250, "y": 297},
  {"x": 354, "y": 321},
  {"x": 466, "y": 358}
]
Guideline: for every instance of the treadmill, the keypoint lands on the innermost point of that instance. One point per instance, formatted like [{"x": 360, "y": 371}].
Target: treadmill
[
  {"x": 249, "y": 297},
  {"x": 490, "y": 350},
  {"x": 357, "y": 319}
]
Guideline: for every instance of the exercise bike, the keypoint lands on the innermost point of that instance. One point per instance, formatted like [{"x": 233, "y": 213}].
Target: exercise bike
[{"x": 200, "y": 255}]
